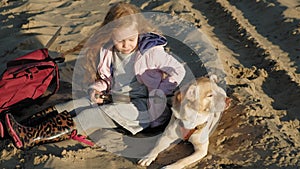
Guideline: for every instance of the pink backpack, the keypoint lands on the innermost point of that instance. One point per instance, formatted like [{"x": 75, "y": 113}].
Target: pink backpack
[{"x": 28, "y": 78}]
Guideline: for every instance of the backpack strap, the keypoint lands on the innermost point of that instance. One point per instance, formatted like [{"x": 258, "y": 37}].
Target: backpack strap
[{"x": 1, "y": 130}]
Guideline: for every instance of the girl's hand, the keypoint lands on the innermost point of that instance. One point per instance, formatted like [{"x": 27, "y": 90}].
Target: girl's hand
[{"x": 95, "y": 96}]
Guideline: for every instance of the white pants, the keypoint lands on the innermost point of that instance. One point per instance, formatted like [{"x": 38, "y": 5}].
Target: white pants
[{"x": 88, "y": 117}]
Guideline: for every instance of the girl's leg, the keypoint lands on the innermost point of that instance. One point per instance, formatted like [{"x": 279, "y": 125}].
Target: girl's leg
[
  {"x": 87, "y": 117},
  {"x": 91, "y": 119},
  {"x": 75, "y": 105}
]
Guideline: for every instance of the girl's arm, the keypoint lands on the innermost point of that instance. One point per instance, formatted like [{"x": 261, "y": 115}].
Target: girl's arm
[
  {"x": 164, "y": 71},
  {"x": 104, "y": 72}
]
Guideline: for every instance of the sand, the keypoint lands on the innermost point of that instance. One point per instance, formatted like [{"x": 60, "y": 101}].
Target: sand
[{"x": 257, "y": 41}]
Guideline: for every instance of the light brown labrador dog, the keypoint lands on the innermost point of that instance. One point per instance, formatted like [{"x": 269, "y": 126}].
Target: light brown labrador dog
[{"x": 196, "y": 112}]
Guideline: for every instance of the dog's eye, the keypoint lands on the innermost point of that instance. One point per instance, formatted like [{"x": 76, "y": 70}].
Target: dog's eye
[{"x": 209, "y": 95}]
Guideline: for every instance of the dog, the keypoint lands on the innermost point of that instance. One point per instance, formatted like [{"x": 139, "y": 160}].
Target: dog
[{"x": 197, "y": 108}]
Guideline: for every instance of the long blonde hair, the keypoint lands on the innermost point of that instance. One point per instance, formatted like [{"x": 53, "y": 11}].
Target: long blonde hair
[{"x": 129, "y": 14}]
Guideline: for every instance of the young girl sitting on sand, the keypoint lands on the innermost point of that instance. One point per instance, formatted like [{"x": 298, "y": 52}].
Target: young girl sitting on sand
[{"x": 132, "y": 70}]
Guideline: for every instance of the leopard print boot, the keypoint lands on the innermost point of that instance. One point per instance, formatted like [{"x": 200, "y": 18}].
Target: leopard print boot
[
  {"x": 56, "y": 128},
  {"x": 30, "y": 121},
  {"x": 39, "y": 116}
]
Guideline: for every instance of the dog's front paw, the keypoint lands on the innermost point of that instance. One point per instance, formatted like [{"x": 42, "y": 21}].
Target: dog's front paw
[
  {"x": 173, "y": 166},
  {"x": 146, "y": 161},
  {"x": 169, "y": 167}
]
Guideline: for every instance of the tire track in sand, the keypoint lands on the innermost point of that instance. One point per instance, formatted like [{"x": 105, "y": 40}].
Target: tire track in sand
[{"x": 268, "y": 83}]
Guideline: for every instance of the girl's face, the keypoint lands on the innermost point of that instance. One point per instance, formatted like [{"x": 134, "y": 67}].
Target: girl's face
[{"x": 125, "y": 39}]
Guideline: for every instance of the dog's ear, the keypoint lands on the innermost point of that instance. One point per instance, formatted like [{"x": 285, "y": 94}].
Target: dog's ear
[
  {"x": 178, "y": 96},
  {"x": 176, "y": 102},
  {"x": 192, "y": 93},
  {"x": 214, "y": 78}
]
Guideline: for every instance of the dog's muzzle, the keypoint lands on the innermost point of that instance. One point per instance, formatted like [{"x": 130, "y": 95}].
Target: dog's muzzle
[{"x": 191, "y": 118}]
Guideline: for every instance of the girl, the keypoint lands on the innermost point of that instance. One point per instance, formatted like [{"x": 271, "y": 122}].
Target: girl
[{"x": 133, "y": 76}]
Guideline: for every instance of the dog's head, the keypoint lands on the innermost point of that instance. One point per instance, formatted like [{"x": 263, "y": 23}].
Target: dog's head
[{"x": 196, "y": 100}]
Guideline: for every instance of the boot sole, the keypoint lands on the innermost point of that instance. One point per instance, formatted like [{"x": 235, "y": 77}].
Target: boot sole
[{"x": 12, "y": 132}]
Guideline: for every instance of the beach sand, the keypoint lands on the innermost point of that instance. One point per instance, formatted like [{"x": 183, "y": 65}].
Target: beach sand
[{"x": 258, "y": 44}]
